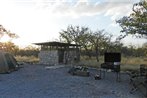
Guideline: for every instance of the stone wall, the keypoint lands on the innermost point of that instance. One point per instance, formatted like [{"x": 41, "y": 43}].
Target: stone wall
[
  {"x": 48, "y": 57},
  {"x": 52, "y": 57}
]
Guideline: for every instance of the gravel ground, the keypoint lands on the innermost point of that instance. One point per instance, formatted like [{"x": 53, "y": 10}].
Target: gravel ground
[{"x": 35, "y": 81}]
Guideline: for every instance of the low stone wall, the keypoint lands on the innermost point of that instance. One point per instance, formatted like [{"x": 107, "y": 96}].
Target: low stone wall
[{"x": 48, "y": 57}]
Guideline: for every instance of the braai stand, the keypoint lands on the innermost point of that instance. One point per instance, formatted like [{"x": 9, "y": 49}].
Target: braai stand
[
  {"x": 110, "y": 66},
  {"x": 111, "y": 61}
]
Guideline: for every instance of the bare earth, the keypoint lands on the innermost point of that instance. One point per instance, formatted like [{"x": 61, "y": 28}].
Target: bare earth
[{"x": 35, "y": 81}]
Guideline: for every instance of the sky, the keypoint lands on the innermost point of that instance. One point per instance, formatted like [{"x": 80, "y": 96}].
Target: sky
[{"x": 41, "y": 20}]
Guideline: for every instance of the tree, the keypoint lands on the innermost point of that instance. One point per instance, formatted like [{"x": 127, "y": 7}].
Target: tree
[
  {"x": 3, "y": 32},
  {"x": 89, "y": 40},
  {"x": 73, "y": 34},
  {"x": 136, "y": 22},
  {"x": 86, "y": 44},
  {"x": 107, "y": 44},
  {"x": 98, "y": 40},
  {"x": 78, "y": 35},
  {"x": 9, "y": 47}
]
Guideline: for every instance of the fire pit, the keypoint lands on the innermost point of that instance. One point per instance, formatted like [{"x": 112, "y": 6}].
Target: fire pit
[{"x": 79, "y": 71}]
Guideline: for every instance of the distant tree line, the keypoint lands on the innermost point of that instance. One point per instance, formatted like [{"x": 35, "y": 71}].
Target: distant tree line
[
  {"x": 28, "y": 51},
  {"x": 15, "y": 50},
  {"x": 90, "y": 52},
  {"x": 87, "y": 48}
]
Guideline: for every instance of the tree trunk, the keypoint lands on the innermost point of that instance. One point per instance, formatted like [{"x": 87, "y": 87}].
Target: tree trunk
[
  {"x": 87, "y": 52},
  {"x": 97, "y": 54}
]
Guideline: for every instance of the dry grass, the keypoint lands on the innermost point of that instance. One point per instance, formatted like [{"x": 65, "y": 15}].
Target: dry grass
[
  {"x": 127, "y": 63},
  {"x": 134, "y": 60},
  {"x": 90, "y": 62},
  {"x": 30, "y": 59},
  {"x": 132, "y": 63}
]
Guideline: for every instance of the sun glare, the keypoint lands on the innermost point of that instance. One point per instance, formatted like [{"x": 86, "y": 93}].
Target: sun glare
[{"x": 5, "y": 38}]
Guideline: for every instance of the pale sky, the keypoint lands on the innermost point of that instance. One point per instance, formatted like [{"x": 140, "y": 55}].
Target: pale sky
[{"x": 42, "y": 20}]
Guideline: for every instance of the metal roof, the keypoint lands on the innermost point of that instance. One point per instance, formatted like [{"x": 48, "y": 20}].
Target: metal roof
[{"x": 56, "y": 44}]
